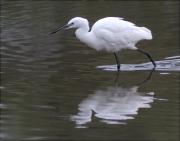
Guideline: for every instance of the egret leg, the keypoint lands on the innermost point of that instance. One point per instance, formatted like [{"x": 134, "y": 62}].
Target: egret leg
[
  {"x": 117, "y": 61},
  {"x": 148, "y": 55}
]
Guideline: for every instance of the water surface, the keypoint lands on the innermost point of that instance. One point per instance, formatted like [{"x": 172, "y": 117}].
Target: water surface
[{"x": 55, "y": 88}]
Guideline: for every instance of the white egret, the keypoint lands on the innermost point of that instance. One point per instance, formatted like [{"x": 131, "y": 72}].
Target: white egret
[{"x": 111, "y": 34}]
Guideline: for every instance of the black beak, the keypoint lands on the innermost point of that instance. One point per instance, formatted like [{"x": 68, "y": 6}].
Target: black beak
[{"x": 60, "y": 28}]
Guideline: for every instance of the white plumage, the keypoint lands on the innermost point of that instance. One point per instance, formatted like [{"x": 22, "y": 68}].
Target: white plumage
[
  {"x": 111, "y": 34},
  {"x": 119, "y": 34}
]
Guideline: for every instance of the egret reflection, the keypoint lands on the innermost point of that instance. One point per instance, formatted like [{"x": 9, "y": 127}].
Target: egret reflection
[{"x": 113, "y": 105}]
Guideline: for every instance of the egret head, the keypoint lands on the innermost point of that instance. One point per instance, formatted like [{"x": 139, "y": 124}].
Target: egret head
[{"x": 76, "y": 22}]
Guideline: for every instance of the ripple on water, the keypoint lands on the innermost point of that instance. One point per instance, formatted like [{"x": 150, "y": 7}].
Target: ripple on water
[{"x": 168, "y": 64}]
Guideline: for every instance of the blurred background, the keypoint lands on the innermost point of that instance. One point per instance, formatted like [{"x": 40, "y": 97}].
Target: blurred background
[{"x": 51, "y": 88}]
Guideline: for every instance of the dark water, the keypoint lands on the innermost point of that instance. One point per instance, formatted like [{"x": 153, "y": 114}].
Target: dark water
[{"x": 55, "y": 88}]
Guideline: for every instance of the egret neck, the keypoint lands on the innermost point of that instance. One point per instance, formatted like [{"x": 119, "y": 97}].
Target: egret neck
[{"x": 83, "y": 34}]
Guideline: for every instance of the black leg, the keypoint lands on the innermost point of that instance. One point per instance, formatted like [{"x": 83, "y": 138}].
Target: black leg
[
  {"x": 117, "y": 61},
  {"x": 148, "y": 55}
]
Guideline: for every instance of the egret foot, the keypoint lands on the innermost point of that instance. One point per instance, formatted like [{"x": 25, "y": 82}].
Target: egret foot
[{"x": 118, "y": 67}]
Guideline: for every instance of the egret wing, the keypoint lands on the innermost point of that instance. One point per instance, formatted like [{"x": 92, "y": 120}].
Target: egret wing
[
  {"x": 113, "y": 24},
  {"x": 117, "y": 32}
]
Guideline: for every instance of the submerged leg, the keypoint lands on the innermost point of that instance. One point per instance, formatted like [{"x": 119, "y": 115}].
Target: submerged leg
[
  {"x": 117, "y": 61},
  {"x": 148, "y": 55}
]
